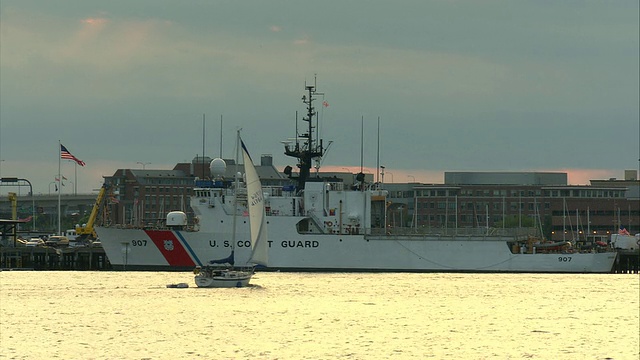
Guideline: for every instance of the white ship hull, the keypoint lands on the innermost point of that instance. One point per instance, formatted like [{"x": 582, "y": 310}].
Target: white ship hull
[{"x": 134, "y": 249}]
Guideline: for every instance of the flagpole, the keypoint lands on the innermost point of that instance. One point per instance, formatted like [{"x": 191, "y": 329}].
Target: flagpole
[
  {"x": 75, "y": 179},
  {"x": 59, "y": 179}
]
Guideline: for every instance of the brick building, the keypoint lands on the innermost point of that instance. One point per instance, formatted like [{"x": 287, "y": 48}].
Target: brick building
[
  {"x": 145, "y": 196},
  {"x": 564, "y": 212}
]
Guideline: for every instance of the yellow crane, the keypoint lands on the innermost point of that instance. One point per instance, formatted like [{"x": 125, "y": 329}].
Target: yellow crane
[
  {"x": 13, "y": 198},
  {"x": 87, "y": 229}
]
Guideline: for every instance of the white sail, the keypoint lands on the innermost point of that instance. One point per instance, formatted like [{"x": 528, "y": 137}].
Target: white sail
[{"x": 257, "y": 218}]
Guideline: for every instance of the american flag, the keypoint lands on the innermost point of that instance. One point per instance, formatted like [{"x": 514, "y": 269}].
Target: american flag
[{"x": 65, "y": 154}]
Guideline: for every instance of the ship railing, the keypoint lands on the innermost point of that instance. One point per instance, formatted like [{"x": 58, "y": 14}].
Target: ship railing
[
  {"x": 272, "y": 191},
  {"x": 515, "y": 233}
]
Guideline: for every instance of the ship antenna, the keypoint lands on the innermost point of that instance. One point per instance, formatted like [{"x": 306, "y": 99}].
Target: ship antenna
[
  {"x": 203, "y": 133},
  {"x": 378, "y": 156},
  {"x": 220, "y": 136},
  {"x": 362, "y": 144},
  {"x": 307, "y": 151}
]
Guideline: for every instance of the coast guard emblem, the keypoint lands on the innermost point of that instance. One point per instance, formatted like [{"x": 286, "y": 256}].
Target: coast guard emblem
[{"x": 168, "y": 245}]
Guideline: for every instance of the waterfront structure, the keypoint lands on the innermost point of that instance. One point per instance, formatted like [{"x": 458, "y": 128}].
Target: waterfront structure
[
  {"x": 73, "y": 208},
  {"x": 566, "y": 212}
]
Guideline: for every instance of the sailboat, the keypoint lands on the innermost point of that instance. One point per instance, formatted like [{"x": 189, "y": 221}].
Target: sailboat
[{"x": 225, "y": 276}]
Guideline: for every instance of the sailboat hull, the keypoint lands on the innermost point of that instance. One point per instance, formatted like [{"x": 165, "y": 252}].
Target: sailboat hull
[{"x": 225, "y": 279}]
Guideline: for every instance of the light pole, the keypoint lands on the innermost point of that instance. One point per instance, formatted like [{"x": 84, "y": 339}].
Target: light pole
[
  {"x": 390, "y": 173},
  {"x": 144, "y": 164},
  {"x": 352, "y": 175}
]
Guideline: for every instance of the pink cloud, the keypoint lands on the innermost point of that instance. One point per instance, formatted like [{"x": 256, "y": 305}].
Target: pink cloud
[
  {"x": 574, "y": 176},
  {"x": 94, "y": 21},
  {"x": 583, "y": 176}
]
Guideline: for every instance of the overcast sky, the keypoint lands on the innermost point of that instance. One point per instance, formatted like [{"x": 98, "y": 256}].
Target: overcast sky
[{"x": 458, "y": 85}]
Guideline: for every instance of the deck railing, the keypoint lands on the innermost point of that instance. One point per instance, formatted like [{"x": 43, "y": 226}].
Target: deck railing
[{"x": 515, "y": 233}]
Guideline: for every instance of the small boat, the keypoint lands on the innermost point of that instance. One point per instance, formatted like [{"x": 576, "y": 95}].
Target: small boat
[
  {"x": 178, "y": 286},
  {"x": 225, "y": 276}
]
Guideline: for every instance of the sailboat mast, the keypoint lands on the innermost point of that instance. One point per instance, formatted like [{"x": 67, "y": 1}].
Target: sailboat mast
[
  {"x": 362, "y": 143},
  {"x": 235, "y": 197},
  {"x": 378, "y": 157},
  {"x": 203, "y": 137}
]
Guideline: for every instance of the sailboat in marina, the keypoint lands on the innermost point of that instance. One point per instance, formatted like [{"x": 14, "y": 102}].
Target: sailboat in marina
[{"x": 226, "y": 275}]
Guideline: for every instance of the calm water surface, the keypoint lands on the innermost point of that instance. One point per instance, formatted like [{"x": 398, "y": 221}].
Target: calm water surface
[{"x": 132, "y": 315}]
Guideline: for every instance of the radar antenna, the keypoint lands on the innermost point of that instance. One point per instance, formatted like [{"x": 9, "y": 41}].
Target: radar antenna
[{"x": 305, "y": 149}]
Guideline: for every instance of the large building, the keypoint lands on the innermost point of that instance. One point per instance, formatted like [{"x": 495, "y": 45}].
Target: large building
[{"x": 563, "y": 212}]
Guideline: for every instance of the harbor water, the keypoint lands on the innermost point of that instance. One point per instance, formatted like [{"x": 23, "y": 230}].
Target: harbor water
[{"x": 133, "y": 315}]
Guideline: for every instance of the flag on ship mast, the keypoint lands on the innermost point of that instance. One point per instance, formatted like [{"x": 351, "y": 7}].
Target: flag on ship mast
[
  {"x": 623, "y": 231},
  {"x": 65, "y": 154}
]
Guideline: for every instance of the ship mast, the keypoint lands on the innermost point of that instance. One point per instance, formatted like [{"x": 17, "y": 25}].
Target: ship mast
[{"x": 305, "y": 150}]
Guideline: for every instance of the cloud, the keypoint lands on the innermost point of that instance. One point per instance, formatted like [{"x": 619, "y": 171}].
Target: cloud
[
  {"x": 94, "y": 21},
  {"x": 302, "y": 41},
  {"x": 275, "y": 28}
]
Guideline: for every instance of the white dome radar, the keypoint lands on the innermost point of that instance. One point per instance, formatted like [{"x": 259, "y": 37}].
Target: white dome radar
[{"x": 218, "y": 168}]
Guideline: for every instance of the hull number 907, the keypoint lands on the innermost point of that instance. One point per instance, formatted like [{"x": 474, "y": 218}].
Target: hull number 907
[
  {"x": 564, "y": 258},
  {"x": 139, "y": 242}
]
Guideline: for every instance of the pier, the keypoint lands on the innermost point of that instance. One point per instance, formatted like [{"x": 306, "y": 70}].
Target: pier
[
  {"x": 94, "y": 258},
  {"x": 49, "y": 258},
  {"x": 627, "y": 262}
]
